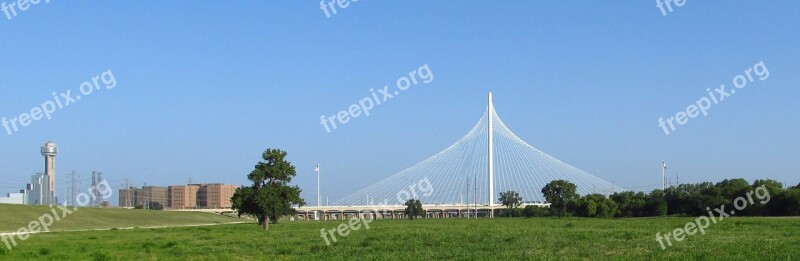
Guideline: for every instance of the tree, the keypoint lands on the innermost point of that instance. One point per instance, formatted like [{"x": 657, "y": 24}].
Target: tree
[
  {"x": 773, "y": 188},
  {"x": 534, "y": 211},
  {"x": 413, "y": 208},
  {"x": 656, "y": 204},
  {"x": 588, "y": 208},
  {"x": 270, "y": 196},
  {"x": 510, "y": 199},
  {"x": 785, "y": 203},
  {"x": 558, "y": 193},
  {"x": 733, "y": 188},
  {"x": 593, "y": 205},
  {"x": 630, "y": 204}
]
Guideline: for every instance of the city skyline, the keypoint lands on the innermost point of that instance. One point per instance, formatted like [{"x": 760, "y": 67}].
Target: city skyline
[{"x": 43, "y": 190}]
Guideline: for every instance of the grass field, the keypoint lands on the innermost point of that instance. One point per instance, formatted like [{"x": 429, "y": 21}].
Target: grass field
[
  {"x": 501, "y": 238},
  {"x": 13, "y": 217}
]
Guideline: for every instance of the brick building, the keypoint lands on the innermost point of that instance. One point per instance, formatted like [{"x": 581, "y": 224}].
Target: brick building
[{"x": 183, "y": 197}]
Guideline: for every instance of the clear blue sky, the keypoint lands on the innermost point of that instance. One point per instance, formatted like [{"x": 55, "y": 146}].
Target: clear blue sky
[{"x": 203, "y": 89}]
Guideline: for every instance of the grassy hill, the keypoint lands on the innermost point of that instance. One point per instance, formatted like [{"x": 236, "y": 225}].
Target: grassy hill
[
  {"x": 450, "y": 239},
  {"x": 13, "y": 217}
]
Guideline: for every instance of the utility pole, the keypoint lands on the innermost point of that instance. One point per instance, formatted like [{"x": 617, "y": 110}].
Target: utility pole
[
  {"x": 72, "y": 196},
  {"x": 468, "y": 192},
  {"x": 664, "y": 176},
  {"x": 128, "y": 194},
  {"x": 475, "y": 196},
  {"x": 146, "y": 204}
]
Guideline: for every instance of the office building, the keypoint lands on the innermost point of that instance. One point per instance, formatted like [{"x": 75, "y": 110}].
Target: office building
[
  {"x": 155, "y": 196},
  {"x": 215, "y": 196},
  {"x": 39, "y": 192},
  {"x": 183, "y": 197}
]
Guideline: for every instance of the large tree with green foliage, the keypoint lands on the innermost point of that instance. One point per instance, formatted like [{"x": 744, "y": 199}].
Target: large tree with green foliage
[
  {"x": 511, "y": 199},
  {"x": 413, "y": 208},
  {"x": 270, "y": 196},
  {"x": 558, "y": 193}
]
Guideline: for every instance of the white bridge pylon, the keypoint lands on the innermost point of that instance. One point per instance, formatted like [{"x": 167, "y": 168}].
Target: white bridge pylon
[{"x": 489, "y": 160}]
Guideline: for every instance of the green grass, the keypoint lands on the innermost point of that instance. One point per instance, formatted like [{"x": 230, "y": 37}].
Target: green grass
[
  {"x": 460, "y": 239},
  {"x": 13, "y": 217}
]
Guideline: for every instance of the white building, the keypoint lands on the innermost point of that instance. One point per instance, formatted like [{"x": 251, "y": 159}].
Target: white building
[
  {"x": 39, "y": 191},
  {"x": 14, "y": 198}
]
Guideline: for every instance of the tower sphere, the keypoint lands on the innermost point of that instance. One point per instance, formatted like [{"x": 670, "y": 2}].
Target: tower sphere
[{"x": 49, "y": 149}]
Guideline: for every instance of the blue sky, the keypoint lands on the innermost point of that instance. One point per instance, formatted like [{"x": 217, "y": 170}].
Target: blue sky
[{"x": 202, "y": 90}]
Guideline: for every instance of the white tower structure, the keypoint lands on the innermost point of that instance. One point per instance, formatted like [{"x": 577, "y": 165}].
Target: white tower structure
[
  {"x": 49, "y": 151},
  {"x": 491, "y": 152}
]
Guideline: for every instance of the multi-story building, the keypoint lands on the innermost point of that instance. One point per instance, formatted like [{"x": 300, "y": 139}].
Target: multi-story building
[
  {"x": 39, "y": 192},
  {"x": 215, "y": 196},
  {"x": 179, "y": 197},
  {"x": 151, "y": 195},
  {"x": 183, "y": 197}
]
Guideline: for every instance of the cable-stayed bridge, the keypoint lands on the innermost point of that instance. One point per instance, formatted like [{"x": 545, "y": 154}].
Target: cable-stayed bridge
[{"x": 470, "y": 174}]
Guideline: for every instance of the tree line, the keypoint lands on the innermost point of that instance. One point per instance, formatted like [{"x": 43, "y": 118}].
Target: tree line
[{"x": 762, "y": 198}]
